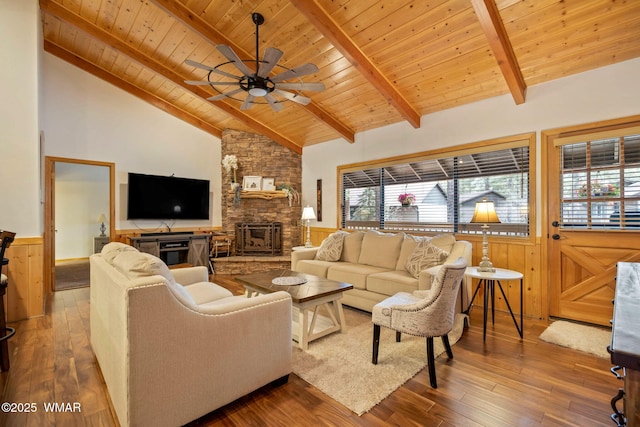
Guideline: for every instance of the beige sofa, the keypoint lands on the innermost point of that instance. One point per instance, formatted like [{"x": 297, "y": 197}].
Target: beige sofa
[
  {"x": 375, "y": 264},
  {"x": 170, "y": 353}
]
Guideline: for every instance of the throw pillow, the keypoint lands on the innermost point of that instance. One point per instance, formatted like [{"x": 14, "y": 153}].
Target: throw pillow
[
  {"x": 331, "y": 247},
  {"x": 408, "y": 245},
  {"x": 424, "y": 255},
  {"x": 352, "y": 246},
  {"x": 113, "y": 249},
  {"x": 381, "y": 249},
  {"x": 135, "y": 265},
  {"x": 444, "y": 241}
]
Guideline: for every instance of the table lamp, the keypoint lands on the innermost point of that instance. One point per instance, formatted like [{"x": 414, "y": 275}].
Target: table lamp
[
  {"x": 485, "y": 214},
  {"x": 308, "y": 214},
  {"x": 101, "y": 220}
]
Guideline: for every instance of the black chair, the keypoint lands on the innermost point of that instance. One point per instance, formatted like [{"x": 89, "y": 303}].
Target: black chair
[{"x": 6, "y": 238}]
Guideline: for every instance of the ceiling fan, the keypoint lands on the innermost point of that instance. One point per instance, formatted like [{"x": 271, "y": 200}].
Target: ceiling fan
[{"x": 257, "y": 84}]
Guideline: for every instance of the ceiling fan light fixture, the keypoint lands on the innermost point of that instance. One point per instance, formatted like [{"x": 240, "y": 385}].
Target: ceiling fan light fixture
[
  {"x": 258, "y": 91},
  {"x": 259, "y": 83}
]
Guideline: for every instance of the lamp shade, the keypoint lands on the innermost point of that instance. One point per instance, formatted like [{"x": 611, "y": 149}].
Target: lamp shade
[
  {"x": 308, "y": 213},
  {"x": 485, "y": 213},
  {"x": 102, "y": 218}
]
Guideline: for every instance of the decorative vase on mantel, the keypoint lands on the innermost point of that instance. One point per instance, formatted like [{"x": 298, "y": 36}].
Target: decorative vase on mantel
[{"x": 236, "y": 188}]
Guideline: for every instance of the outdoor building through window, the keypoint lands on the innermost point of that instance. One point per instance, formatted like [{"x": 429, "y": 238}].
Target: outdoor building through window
[
  {"x": 600, "y": 180},
  {"x": 438, "y": 192}
]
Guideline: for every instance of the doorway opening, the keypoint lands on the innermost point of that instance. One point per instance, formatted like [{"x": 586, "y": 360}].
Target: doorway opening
[{"x": 79, "y": 199}]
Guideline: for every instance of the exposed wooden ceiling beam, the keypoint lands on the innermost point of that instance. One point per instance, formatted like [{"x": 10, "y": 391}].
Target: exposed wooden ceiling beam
[
  {"x": 97, "y": 33},
  {"x": 493, "y": 27},
  {"x": 181, "y": 13},
  {"x": 332, "y": 31},
  {"x": 98, "y": 72}
]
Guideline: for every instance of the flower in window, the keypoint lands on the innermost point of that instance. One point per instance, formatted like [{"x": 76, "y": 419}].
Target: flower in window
[
  {"x": 599, "y": 189},
  {"x": 406, "y": 199}
]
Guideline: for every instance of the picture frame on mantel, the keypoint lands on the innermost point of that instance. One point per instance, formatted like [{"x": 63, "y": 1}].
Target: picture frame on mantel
[
  {"x": 268, "y": 184},
  {"x": 252, "y": 183}
]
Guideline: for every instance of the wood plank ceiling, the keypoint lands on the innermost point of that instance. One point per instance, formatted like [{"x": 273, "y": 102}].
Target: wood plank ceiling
[{"x": 382, "y": 61}]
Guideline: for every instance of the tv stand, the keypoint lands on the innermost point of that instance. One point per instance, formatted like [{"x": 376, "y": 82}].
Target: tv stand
[
  {"x": 168, "y": 233},
  {"x": 175, "y": 248}
]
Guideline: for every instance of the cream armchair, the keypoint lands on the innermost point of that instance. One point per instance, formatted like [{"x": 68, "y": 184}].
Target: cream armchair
[
  {"x": 424, "y": 313},
  {"x": 173, "y": 347}
]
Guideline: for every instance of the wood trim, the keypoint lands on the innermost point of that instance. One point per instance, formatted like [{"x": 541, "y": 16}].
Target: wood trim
[
  {"x": 513, "y": 141},
  {"x": 633, "y": 129},
  {"x": 49, "y": 203},
  {"x": 336, "y": 35}
]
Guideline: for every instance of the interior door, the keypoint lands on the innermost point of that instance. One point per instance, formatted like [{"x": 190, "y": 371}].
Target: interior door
[{"x": 592, "y": 179}]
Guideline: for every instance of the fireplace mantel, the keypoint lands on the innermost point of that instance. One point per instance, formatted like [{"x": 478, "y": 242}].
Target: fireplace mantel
[{"x": 266, "y": 195}]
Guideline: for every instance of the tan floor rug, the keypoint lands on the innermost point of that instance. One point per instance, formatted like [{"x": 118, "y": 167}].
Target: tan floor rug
[
  {"x": 340, "y": 364},
  {"x": 588, "y": 339}
]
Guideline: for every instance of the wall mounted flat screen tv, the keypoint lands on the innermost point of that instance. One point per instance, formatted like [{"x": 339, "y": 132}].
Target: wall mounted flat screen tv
[{"x": 167, "y": 197}]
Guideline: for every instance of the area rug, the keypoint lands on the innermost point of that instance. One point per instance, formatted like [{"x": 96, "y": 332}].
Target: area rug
[
  {"x": 588, "y": 339},
  {"x": 340, "y": 364},
  {"x": 72, "y": 274}
]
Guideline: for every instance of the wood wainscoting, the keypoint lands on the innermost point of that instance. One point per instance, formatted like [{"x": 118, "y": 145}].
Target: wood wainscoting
[
  {"x": 512, "y": 253},
  {"x": 25, "y": 292}
]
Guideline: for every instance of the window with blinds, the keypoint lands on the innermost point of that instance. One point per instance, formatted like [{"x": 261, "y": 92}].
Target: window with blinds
[
  {"x": 600, "y": 181},
  {"x": 439, "y": 193}
]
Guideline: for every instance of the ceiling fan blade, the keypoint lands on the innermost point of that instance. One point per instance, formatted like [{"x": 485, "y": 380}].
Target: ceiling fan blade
[
  {"x": 223, "y": 95},
  {"x": 270, "y": 59},
  {"x": 203, "y": 83},
  {"x": 212, "y": 69},
  {"x": 300, "y": 71},
  {"x": 273, "y": 102},
  {"x": 314, "y": 87},
  {"x": 231, "y": 56},
  {"x": 248, "y": 102},
  {"x": 293, "y": 97}
]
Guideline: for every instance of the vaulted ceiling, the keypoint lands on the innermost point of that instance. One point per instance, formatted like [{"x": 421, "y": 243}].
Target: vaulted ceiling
[{"x": 381, "y": 61}]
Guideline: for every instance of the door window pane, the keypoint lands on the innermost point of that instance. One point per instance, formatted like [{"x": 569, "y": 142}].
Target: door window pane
[{"x": 600, "y": 183}]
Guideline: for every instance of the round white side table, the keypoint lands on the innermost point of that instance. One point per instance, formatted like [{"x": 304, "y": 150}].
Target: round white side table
[{"x": 488, "y": 281}]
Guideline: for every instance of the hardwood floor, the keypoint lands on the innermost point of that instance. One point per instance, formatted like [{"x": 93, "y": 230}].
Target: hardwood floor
[{"x": 504, "y": 381}]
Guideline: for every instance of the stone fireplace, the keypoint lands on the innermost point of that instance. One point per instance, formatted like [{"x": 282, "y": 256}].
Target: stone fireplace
[{"x": 260, "y": 156}]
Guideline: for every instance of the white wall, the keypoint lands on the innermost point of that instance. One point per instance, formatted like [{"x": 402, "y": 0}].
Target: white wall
[
  {"x": 87, "y": 118},
  {"x": 602, "y": 94},
  {"x": 19, "y": 168}
]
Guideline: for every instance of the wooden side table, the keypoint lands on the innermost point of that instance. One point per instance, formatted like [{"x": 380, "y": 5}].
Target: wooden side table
[
  {"x": 99, "y": 242},
  {"x": 488, "y": 280}
]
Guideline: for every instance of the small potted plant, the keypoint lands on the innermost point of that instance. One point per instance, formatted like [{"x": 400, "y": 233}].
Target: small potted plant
[
  {"x": 230, "y": 163},
  {"x": 290, "y": 192},
  {"x": 406, "y": 199}
]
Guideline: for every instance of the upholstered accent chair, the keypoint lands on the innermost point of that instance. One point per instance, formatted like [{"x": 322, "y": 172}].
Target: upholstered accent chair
[{"x": 427, "y": 313}]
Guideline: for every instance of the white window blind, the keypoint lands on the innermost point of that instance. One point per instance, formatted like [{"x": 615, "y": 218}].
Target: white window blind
[
  {"x": 441, "y": 191},
  {"x": 600, "y": 181}
]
